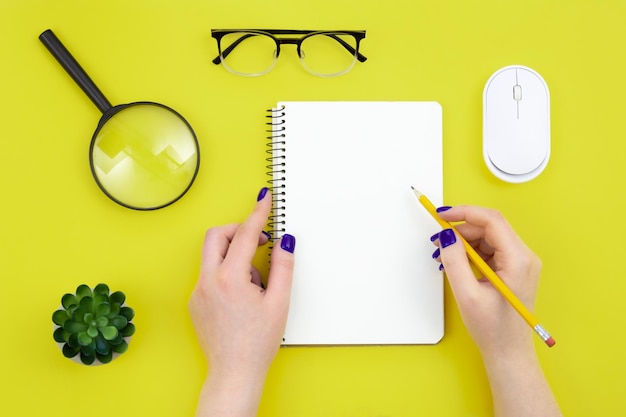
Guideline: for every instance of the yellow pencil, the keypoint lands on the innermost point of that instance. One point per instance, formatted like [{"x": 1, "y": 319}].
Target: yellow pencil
[{"x": 489, "y": 273}]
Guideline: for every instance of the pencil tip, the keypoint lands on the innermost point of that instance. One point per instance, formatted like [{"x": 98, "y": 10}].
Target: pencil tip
[{"x": 415, "y": 191}]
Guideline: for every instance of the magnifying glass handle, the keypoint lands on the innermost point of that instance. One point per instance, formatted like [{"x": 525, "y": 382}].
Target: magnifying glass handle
[{"x": 73, "y": 68}]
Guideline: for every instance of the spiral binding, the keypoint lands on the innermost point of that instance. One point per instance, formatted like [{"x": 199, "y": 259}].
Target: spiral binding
[{"x": 276, "y": 170}]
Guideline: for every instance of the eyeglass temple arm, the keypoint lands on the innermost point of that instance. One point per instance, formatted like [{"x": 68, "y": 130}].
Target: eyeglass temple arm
[
  {"x": 227, "y": 51},
  {"x": 359, "y": 56}
]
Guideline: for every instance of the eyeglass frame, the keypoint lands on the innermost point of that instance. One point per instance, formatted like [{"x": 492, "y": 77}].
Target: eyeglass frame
[{"x": 218, "y": 34}]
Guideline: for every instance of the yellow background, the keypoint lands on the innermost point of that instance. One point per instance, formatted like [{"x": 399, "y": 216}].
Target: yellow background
[{"x": 58, "y": 230}]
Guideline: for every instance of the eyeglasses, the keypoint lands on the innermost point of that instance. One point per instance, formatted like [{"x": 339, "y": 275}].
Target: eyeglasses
[{"x": 253, "y": 52}]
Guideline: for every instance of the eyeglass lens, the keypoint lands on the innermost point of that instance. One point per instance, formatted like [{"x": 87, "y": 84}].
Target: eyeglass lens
[
  {"x": 325, "y": 54},
  {"x": 328, "y": 54},
  {"x": 252, "y": 53}
]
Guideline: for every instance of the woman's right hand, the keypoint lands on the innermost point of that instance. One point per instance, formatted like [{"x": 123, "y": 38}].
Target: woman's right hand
[
  {"x": 495, "y": 326},
  {"x": 504, "y": 339}
]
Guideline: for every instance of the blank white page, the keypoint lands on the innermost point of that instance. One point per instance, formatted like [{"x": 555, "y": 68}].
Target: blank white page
[{"x": 364, "y": 272}]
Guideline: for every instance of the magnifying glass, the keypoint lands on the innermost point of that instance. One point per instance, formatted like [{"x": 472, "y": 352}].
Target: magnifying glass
[{"x": 143, "y": 155}]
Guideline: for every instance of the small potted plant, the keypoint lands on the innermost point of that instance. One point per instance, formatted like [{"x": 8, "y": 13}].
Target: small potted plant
[{"x": 93, "y": 324}]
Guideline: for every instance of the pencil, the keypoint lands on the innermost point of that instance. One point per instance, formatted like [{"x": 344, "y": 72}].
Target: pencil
[{"x": 489, "y": 273}]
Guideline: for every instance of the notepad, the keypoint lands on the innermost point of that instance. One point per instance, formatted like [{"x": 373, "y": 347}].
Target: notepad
[{"x": 341, "y": 176}]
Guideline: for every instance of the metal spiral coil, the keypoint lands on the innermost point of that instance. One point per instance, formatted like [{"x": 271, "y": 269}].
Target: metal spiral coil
[{"x": 276, "y": 169}]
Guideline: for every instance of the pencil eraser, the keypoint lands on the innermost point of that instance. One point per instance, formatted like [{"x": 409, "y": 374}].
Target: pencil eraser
[{"x": 550, "y": 342}]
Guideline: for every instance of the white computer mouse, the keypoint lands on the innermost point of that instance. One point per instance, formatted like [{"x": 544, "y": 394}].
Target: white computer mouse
[{"x": 516, "y": 124}]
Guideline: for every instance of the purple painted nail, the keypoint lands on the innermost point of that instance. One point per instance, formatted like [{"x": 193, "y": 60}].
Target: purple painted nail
[
  {"x": 447, "y": 238},
  {"x": 434, "y": 237},
  {"x": 441, "y": 267},
  {"x": 262, "y": 193},
  {"x": 288, "y": 243},
  {"x": 436, "y": 253},
  {"x": 267, "y": 235},
  {"x": 443, "y": 208}
]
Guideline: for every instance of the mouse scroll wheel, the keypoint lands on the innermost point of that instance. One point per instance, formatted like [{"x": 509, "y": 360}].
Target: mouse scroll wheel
[{"x": 517, "y": 92}]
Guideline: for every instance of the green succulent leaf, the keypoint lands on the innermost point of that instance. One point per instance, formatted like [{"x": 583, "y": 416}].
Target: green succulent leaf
[
  {"x": 69, "y": 300},
  {"x": 59, "y": 335},
  {"x": 101, "y": 289},
  {"x": 87, "y": 359},
  {"x": 121, "y": 347},
  {"x": 102, "y": 347},
  {"x": 129, "y": 330},
  {"x": 99, "y": 299},
  {"x": 88, "y": 317},
  {"x": 69, "y": 351},
  {"x": 117, "y": 340},
  {"x": 90, "y": 349},
  {"x": 104, "y": 358},
  {"x": 118, "y": 297},
  {"x": 109, "y": 332},
  {"x": 119, "y": 322},
  {"x": 86, "y": 305},
  {"x": 84, "y": 339},
  {"x": 115, "y": 310},
  {"x": 72, "y": 326},
  {"x": 92, "y": 331},
  {"x": 127, "y": 312},
  {"x": 72, "y": 340},
  {"x": 83, "y": 291},
  {"x": 72, "y": 309},
  {"x": 59, "y": 317},
  {"x": 102, "y": 322},
  {"x": 78, "y": 316},
  {"x": 103, "y": 309}
]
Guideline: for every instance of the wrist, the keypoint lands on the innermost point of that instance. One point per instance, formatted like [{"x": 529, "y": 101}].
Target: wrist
[
  {"x": 237, "y": 380},
  {"x": 518, "y": 385},
  {"x": 231, "y": 392},
  {"x": 510, "y": 362},
  {"x": 511, "y": 342}
]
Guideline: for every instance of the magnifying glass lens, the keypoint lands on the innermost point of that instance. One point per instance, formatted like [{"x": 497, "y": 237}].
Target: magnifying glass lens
[{"x": 145, "y": 156}]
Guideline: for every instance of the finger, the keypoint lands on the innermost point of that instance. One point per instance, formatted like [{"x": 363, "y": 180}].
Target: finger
[
  {"x": 470, "y": 232},
  {"x": 281, "y": 270},
  {"x": 254, "y": 273},
  {"x": 456, "y": 264},
  {"x": 216, "y": 243},
  {"x": 256, "y": 277},
  {"x": 475, "y": 236},
  {"x": 264, "y": 238},
  {"x": 246, "y": 240},
  {"x": 498, "y": 233}
]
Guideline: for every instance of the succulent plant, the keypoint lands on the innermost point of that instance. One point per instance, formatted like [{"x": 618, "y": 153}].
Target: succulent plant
[{"x": 94, "y": 324}]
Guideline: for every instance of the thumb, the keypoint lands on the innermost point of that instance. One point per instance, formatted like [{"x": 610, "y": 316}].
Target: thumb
[
  {"x": 281, "y": 268},
  {"x": 456, "y": 264}
]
